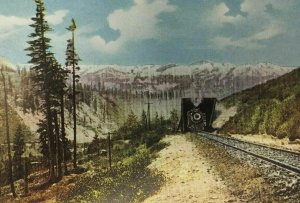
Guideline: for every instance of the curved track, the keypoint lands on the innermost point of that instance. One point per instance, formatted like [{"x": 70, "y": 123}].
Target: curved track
[{"x": 289, "y": 160}]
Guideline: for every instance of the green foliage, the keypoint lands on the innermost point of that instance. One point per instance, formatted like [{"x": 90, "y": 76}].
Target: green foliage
[
  {"x": 282, "y": 131},
  {"x": 158, "y": 146},
  {"x": 294, "y": 128},
  {"x": 19, "y": 149},
  {"x": 152, "y": 138},
  {"x": 49, "y": 79},
  {"x": 131, "y": 129},
  {"x": 42, "y": 126},
  {"x": 272, "y": 108},
  {"x": 94, "y": 146},
  {"x": 144, "y": 119},
  {"x": 174, "y": 120},
  {"x": 156, "y": 120},
  {"x": 130, "y": 181}
]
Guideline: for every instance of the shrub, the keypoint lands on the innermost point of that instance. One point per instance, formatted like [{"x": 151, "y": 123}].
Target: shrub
[
  {"x": 158, "y": 146},
  {"x": 283, "y": 131},
  {"x": 152, "y": 138},
  {"x": 294, "y": 127},
  {"x": 129, "y": 181}
]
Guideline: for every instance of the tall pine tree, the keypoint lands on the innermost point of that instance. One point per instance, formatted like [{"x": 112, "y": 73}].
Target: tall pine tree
[
  {"x": 72, "y": 60},
  {"x": 43, "y": 77}
]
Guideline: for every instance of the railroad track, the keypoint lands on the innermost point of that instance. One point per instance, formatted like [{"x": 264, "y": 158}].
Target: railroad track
[{"x": 286, "y": 159}]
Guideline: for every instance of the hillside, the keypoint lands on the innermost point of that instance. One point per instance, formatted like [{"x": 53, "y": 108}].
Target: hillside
[
  {"x": 14, "y": 119},
  {"x": 272, "y": 108},
  {"x": 94, "y": 115}
]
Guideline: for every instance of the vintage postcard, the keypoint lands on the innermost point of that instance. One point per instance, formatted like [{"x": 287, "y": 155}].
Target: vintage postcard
[{"x": 155, "y": 101}]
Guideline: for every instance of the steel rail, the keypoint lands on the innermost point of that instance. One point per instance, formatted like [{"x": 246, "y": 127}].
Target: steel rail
[
  {"x": 273, "y": 161},
  {"x": 257, "y": 144}
]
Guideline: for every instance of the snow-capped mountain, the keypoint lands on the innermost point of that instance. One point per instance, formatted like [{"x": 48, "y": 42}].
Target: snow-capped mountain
[{"x": 204, "y": 78}]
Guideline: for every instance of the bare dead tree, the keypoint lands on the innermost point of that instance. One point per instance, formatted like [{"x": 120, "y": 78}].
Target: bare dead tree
[{"x": 10, "y": 172}]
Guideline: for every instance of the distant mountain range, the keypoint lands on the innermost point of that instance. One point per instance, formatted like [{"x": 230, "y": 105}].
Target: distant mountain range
[{"x": 200, "y": 79}]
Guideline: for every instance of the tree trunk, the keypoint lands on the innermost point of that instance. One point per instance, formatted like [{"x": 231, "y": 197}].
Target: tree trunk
[
  {"x": 74, "y": 106},
  {"x": 26, "y": 163},
  {"x": 0, "y": 179},
  {"x": 58, "y": 148},
  {"x": 109, "y": 150},
  {"x": 63, "y": 133},
  {"x": 10, "y": 172},
  {"x": 48, "y": 106},
  {"x": 50, "y": 139},
  {"x": 104, "y": 112}
]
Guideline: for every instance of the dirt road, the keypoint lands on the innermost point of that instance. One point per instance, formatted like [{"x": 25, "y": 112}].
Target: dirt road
[{"x": 190, "y": 178}]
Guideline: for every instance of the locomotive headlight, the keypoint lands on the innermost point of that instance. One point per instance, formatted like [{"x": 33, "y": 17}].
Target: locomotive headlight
[{"x": 197, "y": 116}]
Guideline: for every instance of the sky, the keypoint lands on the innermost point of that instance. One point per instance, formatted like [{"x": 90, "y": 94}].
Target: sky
[{"x": 132, "y": 32}]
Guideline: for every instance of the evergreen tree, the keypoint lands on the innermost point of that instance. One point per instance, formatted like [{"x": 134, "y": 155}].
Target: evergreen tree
[
  {"x": 25, "y": 101},
  {"x": 44, "y": 75},
  {"x": 131, "y": 127},
  {"x": 144, "y": 119},
  {"x": 156, "y": 120},
  {"x": 72, "y": 60},
  {"x": 18, "y": 148},
  {"x": 59, "y": 91},
  {"x": 94, "y": 146},
  {"x": 10, "y": 85},
  {"x": 32, "y": 104},
  {"x": 174, "y": 119},
  {"x": 162, "y": 120},
  {"x": 43, "y": 137},
  {"x": 95, "y": 104},
  {"x": 161, "y": 128}
]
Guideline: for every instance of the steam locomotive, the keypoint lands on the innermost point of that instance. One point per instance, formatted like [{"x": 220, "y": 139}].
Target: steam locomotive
[{"x": 199, "y": 117}]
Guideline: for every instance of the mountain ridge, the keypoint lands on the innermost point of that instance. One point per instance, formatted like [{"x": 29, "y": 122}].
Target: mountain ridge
[{"x": 206, "y": 76}]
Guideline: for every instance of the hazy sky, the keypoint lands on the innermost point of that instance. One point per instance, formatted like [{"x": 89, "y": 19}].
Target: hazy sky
[{"x": 161, "y": 31}]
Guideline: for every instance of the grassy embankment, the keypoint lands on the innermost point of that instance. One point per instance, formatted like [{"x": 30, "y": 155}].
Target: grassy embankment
[{"x": 130, "y": 179}]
